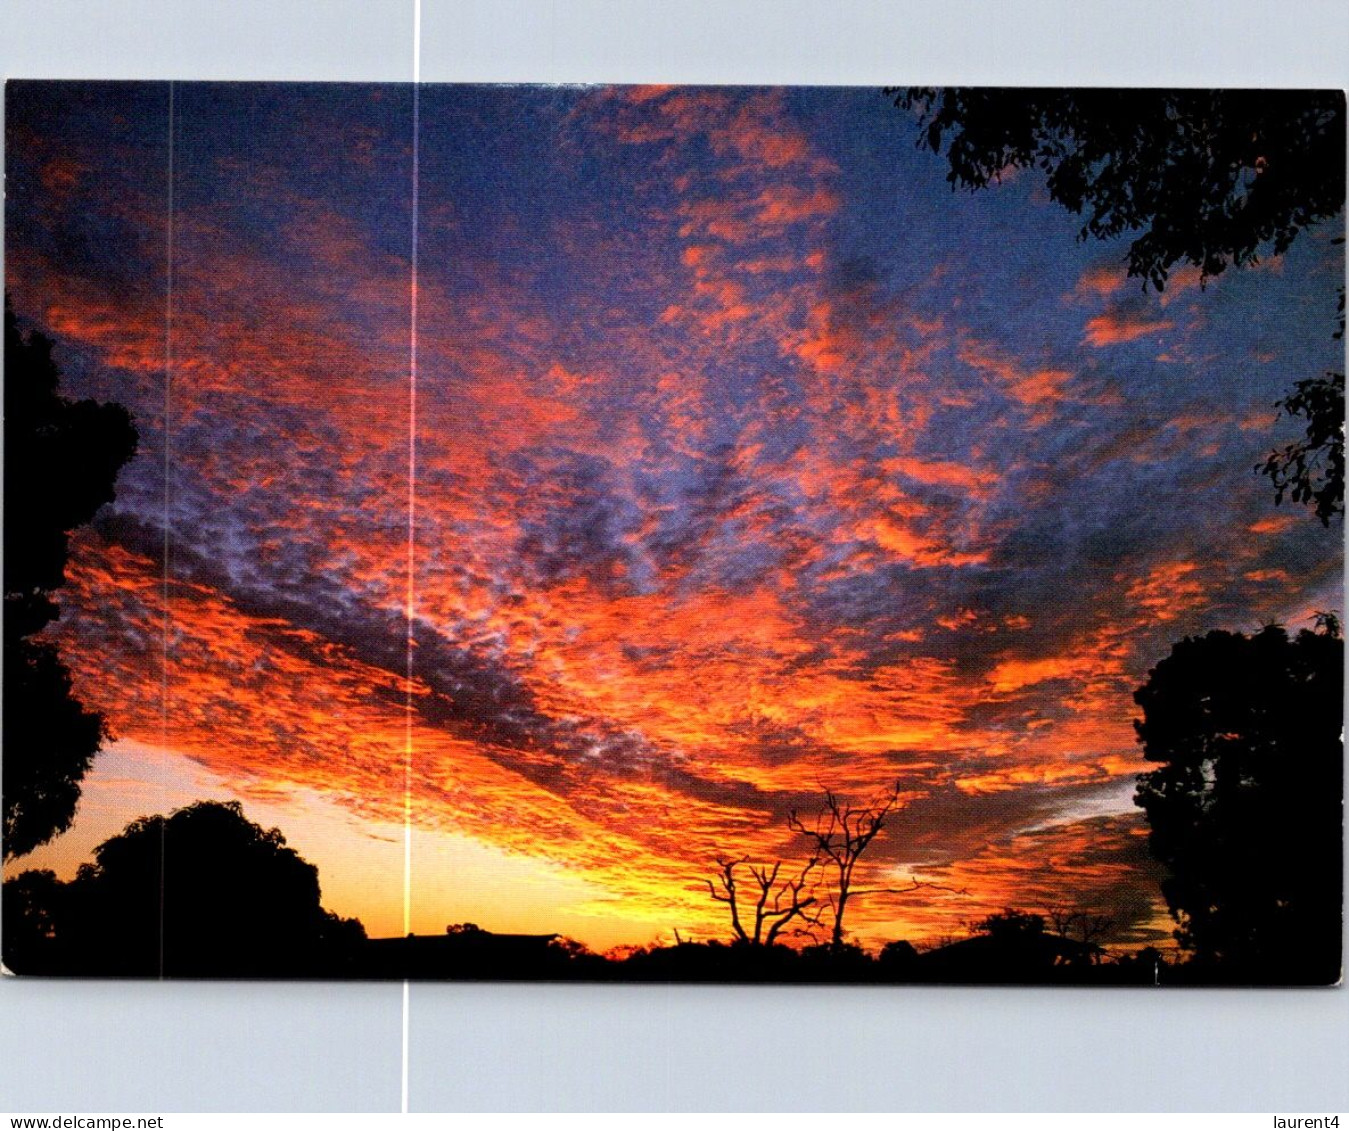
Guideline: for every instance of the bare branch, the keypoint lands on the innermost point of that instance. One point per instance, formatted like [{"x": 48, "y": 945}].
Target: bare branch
[
  {"x": 837, "y": 836},
  {"x": 915, "y": 885},
  {"x": 840, "y": 834},
  {"x": 776, "y": 904}
]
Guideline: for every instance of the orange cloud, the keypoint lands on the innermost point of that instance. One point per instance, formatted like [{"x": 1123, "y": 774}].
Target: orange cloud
[
  {"x": 789, "y": 204},
  {"x": 1274, "y": 524},
  {"x": 1103, "y": 280},
  {"x": 1169, "y": 590},
  {"x": 1012, "y": 675},
  {"x": 1112, "y": 329},
  {"x": 718, "y": 521}
]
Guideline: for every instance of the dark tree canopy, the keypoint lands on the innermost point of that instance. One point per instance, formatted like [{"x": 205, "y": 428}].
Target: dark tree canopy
[
  {"x": 223, "y": 896},
  {"x": 50, "y": 740},
  {"x": 1245, "y": 806},
  {"x": 201, "y": 893},
  {"x": 61, "y": 461},
  {"x": 1011, "y": 924},
  {"x": 1208, "y": 178},
  {"x": 32, "y": 907}
]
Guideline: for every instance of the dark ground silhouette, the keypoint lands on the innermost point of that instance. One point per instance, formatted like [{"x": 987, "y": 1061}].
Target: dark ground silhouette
[
  {"x": 1245, "y": 813},
  {"x": 240, "y": 903}
]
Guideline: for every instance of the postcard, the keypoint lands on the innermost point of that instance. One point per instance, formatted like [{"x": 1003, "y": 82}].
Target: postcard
[{"x": 673, "y": 533}]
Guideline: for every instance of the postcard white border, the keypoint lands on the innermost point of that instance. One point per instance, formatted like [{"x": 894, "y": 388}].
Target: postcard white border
[{"x": 88, "y": 1046}]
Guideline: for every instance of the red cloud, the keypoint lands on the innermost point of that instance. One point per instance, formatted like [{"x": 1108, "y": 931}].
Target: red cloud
[
  {"x": 1115, "y": 329},
  {"x": 1103, "y": 280}
]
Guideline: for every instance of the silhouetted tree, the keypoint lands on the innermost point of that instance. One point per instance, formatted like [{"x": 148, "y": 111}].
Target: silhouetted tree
[
  {"x": 1146, "y": 965},
  {"x": 838, "y": 835},
  {"x": 205, "y": 893},
  {"x": 1246, "y": 806},
  {"x": 898, "y": 958},
  {"x": 1011, "y": 924},
  {"x": 1082, "y": 925},
  {"x": 769, "y": 905},
  {"x": 61, "y": 461},
  {"x": 1011, "y": 946},
  {"x": 32, "y": 909},
  {"x": 50, "y": 740},
  {"x": 1311, "y": 470},
  {"x": 1209, "y": 178},
  {"x": 340, "y": 934},
  {"x": 1205, "y": 177}
]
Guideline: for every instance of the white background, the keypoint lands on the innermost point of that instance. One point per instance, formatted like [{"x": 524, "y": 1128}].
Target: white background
[{"x": 146, "y": 1047}]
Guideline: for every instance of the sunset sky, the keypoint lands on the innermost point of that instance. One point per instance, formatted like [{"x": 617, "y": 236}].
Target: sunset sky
[{"x": 750, "y": 460}]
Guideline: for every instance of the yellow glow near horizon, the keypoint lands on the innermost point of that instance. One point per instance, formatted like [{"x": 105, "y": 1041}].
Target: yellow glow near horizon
[{"x": 455, "y": 879}]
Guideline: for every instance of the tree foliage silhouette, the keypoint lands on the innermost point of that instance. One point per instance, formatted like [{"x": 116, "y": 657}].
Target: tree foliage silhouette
[
  {"x": 1011, "y": 923},
  {"x": 1311, "y": 470},
  {"x": 1208, "y": 178},
  {"x": 1245, "y": 807},
  {"x": 203, "y": 892},
  {"x": 32, "y": 909},
  {"x": 61, "y": 461},
  {"x": 1205, "y": 177}
]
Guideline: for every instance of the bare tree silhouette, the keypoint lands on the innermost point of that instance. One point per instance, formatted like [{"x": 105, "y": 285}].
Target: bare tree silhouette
[
  {"x": 838, "y": 836},
  {"x": 775, "y": 903},
  {"x": 1081, "y": 924}
]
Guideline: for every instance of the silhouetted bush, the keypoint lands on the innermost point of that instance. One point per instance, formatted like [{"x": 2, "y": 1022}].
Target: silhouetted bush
[{"x": 201, "y": 893}]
